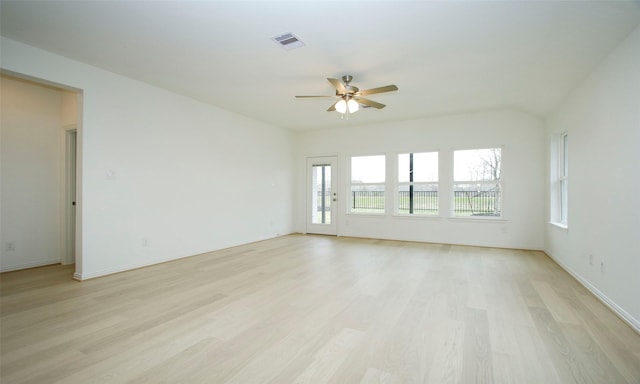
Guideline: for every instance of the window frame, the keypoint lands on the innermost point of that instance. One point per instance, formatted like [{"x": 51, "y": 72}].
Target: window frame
[
  {"x": 382, "y": 185},
  {"x": 398, "y": 184},
  {"x": 500, "y": 184}
]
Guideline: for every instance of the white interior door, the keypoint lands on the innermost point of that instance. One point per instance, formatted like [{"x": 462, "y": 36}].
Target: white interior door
[{"x": 322, "y": 195}]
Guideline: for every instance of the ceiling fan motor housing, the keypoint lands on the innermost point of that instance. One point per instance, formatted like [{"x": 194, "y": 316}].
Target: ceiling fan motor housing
[{"x": 351, "y": 89}]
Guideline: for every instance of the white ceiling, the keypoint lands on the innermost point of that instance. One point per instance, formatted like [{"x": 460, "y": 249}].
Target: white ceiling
[{"x": 445, "y": 57}]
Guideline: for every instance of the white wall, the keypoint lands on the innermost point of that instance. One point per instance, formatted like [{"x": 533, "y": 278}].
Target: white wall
[
  {"x": 30, "y": 174},
  {"x": 602, "y": 118},
  {"x": 70, "y": 108},
  {"x": 164, "y": 176},
  {"x": 520, "y": 135}
]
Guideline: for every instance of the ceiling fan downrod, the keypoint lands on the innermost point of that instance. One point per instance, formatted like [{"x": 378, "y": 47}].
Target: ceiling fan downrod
[{"x": 351, "y": 89}]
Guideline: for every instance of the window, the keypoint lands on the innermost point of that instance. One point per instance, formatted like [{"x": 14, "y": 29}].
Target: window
[
  {"x": 417, "y": 192},
  {"x": 367, "y": 184},
  {"x": 477, "y": 182},
  {"x": 563, "y": 177},
  {"x": 559, "y": 180}
]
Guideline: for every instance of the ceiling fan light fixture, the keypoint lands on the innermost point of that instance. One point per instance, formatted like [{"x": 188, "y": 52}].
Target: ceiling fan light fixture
[
  {"x": 347, "y": 105},
  {"x": 353, "y": 106},
  {"x": 341, "y": 106}
]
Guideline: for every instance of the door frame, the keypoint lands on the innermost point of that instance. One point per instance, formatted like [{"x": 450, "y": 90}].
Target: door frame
[
  {"x": 78, "y": 127},
  {"x": 322, "y": 229}
]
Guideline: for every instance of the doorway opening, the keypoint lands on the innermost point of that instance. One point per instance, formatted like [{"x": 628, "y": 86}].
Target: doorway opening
[{"x": 42, "y": 125}]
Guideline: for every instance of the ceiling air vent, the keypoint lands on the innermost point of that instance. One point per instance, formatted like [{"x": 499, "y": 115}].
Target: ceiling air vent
[{"x": 288, "y": 41}]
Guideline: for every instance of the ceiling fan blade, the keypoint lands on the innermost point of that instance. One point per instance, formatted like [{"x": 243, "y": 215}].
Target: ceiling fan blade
[
  {"x": 315, "y": 97},
  {"x": 333, "y": 107},
  {"x": 370, "y": 103},
  {"x": 386, "y": 88},
  {"x": 337, "y": 84}
]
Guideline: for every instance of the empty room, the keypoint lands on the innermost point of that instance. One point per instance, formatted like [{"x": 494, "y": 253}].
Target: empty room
[{"x": 319, "y": 192}]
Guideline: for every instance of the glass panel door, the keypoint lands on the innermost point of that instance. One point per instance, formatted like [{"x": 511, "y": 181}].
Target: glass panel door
[{"x": 322, "y": 195}]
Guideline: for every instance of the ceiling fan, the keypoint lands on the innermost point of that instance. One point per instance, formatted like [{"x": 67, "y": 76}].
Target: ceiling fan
[{"x": 350, "y": 97}]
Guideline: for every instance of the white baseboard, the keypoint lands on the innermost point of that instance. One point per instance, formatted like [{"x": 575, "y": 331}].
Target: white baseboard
[
  {"x": 129, "y": 267},
  {"x": 615, "y": 308},
  {"x": 33, "y": 264}
]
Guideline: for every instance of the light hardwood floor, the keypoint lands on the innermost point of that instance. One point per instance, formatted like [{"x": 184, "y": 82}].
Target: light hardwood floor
[{"x": 314, "y": 309}]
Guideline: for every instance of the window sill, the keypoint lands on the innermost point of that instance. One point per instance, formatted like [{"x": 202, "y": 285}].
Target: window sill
[
  {"x": 477, "y": 219},
  {"x": 417, "y": 217},
  {"x": 366, "y": 214},
  {"x": 559, "y": 225}
]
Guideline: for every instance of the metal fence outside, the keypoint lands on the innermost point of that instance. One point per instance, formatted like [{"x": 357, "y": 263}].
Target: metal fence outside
[
  {"x": 423, "y": 202},
  {"x": 367, "y": 200},
  {"x": 482, "y": 203}
]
